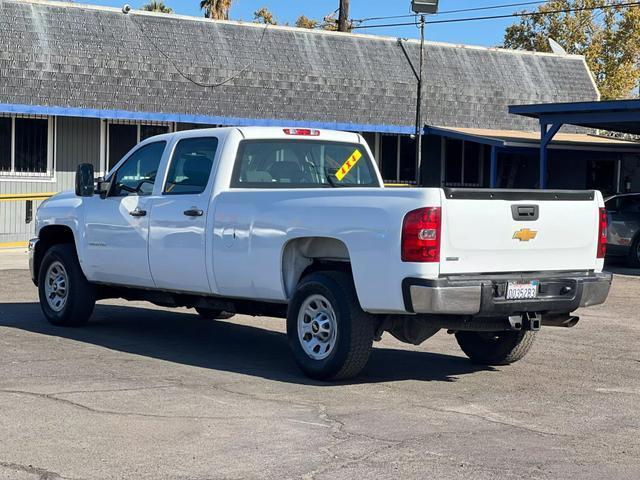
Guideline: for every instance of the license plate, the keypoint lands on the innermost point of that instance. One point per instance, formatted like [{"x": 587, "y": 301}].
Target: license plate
[{"x": 522, "y": 290}]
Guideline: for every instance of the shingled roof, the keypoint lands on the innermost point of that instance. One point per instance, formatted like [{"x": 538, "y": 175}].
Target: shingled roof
[{"x": 84, "y": 60}]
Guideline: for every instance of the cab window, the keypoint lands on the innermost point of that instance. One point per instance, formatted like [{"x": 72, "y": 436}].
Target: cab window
[
  {"x": 302, "y": 164},
  {"x": 137, "y": 174},
  {"x": 190, "y": 167}
]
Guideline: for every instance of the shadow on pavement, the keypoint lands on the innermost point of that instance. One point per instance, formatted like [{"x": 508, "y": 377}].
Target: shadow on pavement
[
  {"x": 619, "y": 266},
  {"x": 222, "y": 345}
]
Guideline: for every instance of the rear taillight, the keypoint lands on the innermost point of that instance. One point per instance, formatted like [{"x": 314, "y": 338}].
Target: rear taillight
[
  {"x": 304, "y": 132},
  {"x": 602, "y": 233},
  {"x": 421, "y": 235}
]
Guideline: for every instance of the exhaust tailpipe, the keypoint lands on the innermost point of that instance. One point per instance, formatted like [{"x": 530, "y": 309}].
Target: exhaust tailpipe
[{"x": 560, "y": 320}]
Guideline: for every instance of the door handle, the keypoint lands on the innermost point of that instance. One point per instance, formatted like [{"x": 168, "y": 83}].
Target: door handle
[
  {"x": 193, "y": 212},
  {"x": 525, "y": 213},
  {"x": 137, "y": 212}
]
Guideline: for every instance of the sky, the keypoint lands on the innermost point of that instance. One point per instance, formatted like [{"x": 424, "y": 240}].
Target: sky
[{"x": 486, "y": 33}]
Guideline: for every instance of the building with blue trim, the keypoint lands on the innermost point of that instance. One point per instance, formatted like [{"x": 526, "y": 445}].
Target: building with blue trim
[{"x": 81, "y": 83}]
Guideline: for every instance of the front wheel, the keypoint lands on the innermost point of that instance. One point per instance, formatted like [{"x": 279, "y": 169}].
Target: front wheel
[
  {"x": 66, "y": 297},
  {"x": 496, "y": 348},
  {"x": 330, "y": 335}
]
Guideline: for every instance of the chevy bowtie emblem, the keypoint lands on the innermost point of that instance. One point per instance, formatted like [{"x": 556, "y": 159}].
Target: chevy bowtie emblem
[{"x": 524, "y": 235}]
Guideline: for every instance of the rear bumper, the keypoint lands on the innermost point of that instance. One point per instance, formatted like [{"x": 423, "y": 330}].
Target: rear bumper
[{"x": 484, "y": 295}]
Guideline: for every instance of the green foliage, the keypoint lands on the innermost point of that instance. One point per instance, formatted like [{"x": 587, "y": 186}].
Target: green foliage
[
  {"x": 216, "y": 9},
  {"x": 306, "y": 22},
  {"x": 156, "y": 6},
  {"x": 607, "y": 38},
  {"x": 263, "y": 15}
]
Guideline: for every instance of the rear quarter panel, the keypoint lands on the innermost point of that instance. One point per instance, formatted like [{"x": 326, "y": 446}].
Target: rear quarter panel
[{"x": 252, "y": 227}]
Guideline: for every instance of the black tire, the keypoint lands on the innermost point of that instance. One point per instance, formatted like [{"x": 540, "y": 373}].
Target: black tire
[
  {"x": 213, "y": 314},
  {"x": 634, "y": 253},
  {"x": 80, "y": 296},
  {"x": 496, "y": 348},
  {"x": 354, "y": 329}
]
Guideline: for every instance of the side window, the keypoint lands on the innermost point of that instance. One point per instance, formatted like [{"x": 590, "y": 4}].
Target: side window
[
  {"x": 191, "y": 165},
  {"x": 138, "y": 174},
  {"x": 613, "y": 204},
  {"x": 630, "y": 204}
]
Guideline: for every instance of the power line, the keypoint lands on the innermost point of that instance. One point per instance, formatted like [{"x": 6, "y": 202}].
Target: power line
[
  {"x": 512, "y": 15},
  {"x": 494, "y": 7},
  {"x": 462, "y": 10},
  {"x": 184, "y": 75}
]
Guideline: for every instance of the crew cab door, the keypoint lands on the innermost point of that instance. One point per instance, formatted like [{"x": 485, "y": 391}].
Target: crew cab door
[
  {"x": 178, "y": 238},
  {"x": 117, "y": 227}
]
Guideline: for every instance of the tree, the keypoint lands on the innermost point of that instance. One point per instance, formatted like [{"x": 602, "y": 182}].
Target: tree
[
  {"x": 156, "y": 6},
  {"x": 306, "y": 22},
  {"x": 607, "y": 38},
  {"x": 216, "y": 9},
  {"x": 263, "y": 15}
]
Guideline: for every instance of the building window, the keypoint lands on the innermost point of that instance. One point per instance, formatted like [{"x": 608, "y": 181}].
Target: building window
[
  {"x": 5, "y": 144},
  {"x": 388, "y": 160},
  {"x": 370, "y": 138},
  {"x": 123, "y": 136},
  {"x": 463, "y": 163},
  {"x": 407, "y": 159},
  {"x": 26, "y": 146}
]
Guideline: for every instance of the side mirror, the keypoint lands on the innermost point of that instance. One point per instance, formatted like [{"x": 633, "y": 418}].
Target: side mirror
[
  {"x": 103, "y": 188},
  {"x": 84, "y": 180}
]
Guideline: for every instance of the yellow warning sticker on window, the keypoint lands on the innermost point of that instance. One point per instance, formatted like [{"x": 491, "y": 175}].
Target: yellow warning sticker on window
[{"x": 348, "y": 165}]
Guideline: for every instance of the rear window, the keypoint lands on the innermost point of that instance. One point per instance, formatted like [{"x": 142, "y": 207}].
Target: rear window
[{"x": 302, "y": 164}]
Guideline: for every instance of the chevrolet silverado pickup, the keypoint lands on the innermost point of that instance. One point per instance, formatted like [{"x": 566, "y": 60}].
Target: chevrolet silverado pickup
[{"x": 296, "y": 223}]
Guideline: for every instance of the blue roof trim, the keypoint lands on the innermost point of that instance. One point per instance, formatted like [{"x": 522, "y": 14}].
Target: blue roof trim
[
  {"x": 444, "y": 132},
  {"x": 198, "y": 119}
]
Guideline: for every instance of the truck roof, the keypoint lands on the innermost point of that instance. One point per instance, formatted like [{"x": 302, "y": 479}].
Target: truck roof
[{"x": 256, "y": 133}]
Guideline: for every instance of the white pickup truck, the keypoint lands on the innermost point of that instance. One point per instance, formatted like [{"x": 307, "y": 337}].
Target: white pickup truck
[{"x": 297, "y": 223}]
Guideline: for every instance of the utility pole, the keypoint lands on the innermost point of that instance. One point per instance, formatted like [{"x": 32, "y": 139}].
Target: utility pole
[
  {"x": 419, "y": 122},
  {"x": 421, "y": 7},
  {"x": 343, "y": 17}
]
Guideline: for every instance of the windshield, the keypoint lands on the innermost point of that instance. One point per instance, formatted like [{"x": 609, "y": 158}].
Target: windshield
[{"x": 302, "y": 164}]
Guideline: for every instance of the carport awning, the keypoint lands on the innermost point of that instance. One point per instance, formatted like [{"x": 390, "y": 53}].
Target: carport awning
[
  {"x": 613, "y": 115},
  {"x": 520, "y": 139}
]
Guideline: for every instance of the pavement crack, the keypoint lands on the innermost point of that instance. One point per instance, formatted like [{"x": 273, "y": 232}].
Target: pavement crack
[
  {"x": 488, "y": 418},
  {"x": 42, "y": 473},
  {"x": 81, "y": 406}
]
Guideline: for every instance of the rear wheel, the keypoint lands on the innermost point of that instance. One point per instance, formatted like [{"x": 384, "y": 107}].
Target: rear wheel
[
  {"x": 496, "y": 348},
  {"x": 213, "y": 314},
  {"x": 330, "y": 335},
  {"x": 66, "y": 297}
]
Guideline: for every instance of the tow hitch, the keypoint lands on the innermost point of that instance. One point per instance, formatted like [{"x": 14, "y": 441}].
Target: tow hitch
[{"x": 526, "y": 321}]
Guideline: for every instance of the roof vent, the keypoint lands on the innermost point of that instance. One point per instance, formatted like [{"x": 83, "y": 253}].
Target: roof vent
[{"x": 126, "y": 8}]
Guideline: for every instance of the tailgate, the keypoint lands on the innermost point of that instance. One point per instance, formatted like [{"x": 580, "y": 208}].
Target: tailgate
[{"x": 486, "y": 231}]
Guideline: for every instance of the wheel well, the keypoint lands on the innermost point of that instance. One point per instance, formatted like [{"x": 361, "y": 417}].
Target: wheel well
[
  {"x": 48, "y": 237},
  {"x": 303, "y": 256}
]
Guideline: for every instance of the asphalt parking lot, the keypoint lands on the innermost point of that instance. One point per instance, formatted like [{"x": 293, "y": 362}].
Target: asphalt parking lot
[{"x": 149, "y": 393}]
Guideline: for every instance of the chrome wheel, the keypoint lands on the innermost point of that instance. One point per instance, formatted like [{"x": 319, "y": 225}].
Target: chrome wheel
[
  {"x": 56, "y": 286},
  {"x": 317, "y": 327}
]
